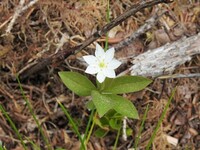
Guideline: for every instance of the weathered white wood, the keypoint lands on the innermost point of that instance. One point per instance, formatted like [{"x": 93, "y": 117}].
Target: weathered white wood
[{"x": 165, "y": 59}]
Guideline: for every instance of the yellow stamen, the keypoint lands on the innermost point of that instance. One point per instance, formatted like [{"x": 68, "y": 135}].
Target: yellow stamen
[{"x": 102, "y": 65}]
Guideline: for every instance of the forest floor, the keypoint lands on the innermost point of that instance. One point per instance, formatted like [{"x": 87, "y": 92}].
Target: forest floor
[{"x": 49, "y": 26}]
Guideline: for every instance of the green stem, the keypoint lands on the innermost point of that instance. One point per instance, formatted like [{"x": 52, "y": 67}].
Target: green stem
[
  {"x": 88, "y": 125},
  {"x": 142, "y": 126},
  {"x": 107, "y": 20},
  {"x": 160, "y": 120},
  {"x": 73, "y": 125},
  {"x": 117, "y": 139},
  {"x": 13, "y": 126},
  {"x": 91, "y": 129},
  {"x": 32, "y": 113}
]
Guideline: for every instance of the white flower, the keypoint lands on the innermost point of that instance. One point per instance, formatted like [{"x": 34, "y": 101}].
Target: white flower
[{"x": 102, "y": 64}]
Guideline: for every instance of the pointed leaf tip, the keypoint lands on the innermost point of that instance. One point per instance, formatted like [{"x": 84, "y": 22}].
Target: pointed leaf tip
[
  {"x": 76, "y": 82},
  {"x": 127, "y": 84}
]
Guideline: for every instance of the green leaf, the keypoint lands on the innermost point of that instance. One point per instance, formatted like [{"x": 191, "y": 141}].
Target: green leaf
[
  {"x": 129, "y": 131},
  {"x": 76, "y": 82},
  {"x": 115, "y": 124},
  {"x": 126, "y": 84},
  {"x": 123, "y": 106},
  {"x": 100, "y": 132},
  {"x": 60, "y": 148},
  {"x": 111, "y": 114},
  {"x": 90, "y": 105},
  {"x": 105, "y": 102},
  {"x": 102, "y": 103},
  {"x": 103, "y": 85},
  {"x": 102, "y": 122}
]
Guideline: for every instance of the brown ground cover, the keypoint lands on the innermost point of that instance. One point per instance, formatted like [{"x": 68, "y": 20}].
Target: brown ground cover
[{"x": 49, "y": 26}]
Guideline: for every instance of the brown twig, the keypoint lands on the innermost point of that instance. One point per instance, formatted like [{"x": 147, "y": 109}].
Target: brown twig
[
  {"x": 20, "y": 9},
  {"x": 141, "y": 30},
  {"x": 61, "y": 55},
  {"x": 193, "y": 75}
]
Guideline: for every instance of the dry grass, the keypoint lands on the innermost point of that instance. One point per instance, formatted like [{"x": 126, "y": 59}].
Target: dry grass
[{"x": 36, "y": 34}]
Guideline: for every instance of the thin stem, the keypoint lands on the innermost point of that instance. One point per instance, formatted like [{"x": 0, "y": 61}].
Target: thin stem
[
  {"x": 73, "y": 125},
  {"x": 13, "y": 126},
  {"x": 35, "y": 147},
  {"x": 92, "y": 127},
  {"x": 117, "y": 139},
  {"x": 32, "y": 113},
  {"x": 141, "y": 127},
  {"x": 107, "y": 20},
  {"x": 160, "y": 120},
  {"x": 88, "y": 125}
]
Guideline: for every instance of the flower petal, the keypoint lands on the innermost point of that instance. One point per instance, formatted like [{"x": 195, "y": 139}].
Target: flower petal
[
  {"x": 100, "y": 77},
  {"x": 91, "y": 70},
  {"x": 99, "y": 53},
  {"x": 109, "y": 55},
  {"x": 114, "y": 64},
  {"x": 110, "y": 73},
  {"x": 90, "y": 59}
]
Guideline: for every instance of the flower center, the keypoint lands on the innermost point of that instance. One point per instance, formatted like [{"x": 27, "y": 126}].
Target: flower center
[{"x": 102, "y": 65}]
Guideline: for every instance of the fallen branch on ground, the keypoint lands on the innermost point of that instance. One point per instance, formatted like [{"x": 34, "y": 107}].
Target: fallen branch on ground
[
  {"x": 165, "y": 59},
  {"x": 151, "y": 22},
  {"x": 61, "y": 55}
]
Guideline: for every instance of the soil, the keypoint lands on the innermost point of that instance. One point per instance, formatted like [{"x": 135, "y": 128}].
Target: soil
[{"x": 49, "y": 26}]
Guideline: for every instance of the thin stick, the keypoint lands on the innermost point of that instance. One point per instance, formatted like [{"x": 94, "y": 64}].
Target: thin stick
[
  {"x": 141, "y": 30},
  {"x": 61, "y": 55},
  {"x": 21, "y": 8},
  {"x": 15, "y": 16},
  {"x": 194, "y": 75}
]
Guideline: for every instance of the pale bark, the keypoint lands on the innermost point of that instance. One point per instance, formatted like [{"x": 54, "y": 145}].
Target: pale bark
[{"x": 165, "y": 59}]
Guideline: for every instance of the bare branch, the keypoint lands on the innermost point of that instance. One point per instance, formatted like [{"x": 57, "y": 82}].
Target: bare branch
[
  {"x": 61, "y": 55},
  {"x": 193, "y": 75},
  {"x": 19, "y": 9},
  {"x": 143, "y": 29},
  {"x": 15, "y": 16},
  {"x": 165, "y": 59}
]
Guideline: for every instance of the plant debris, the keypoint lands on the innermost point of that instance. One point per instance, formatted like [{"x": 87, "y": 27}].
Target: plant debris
[{"x": 42, "y": 28}]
